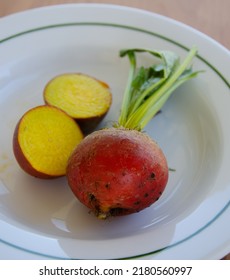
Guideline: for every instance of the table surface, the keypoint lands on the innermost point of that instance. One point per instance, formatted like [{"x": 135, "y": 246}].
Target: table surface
[{"x": 208, "y": 16}]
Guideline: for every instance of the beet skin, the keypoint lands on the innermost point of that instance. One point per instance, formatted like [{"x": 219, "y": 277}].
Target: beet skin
[{"x": 117, "y": 171}]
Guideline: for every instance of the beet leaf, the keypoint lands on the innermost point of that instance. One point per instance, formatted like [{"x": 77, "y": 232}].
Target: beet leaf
[{"x": 148, "y": 89}]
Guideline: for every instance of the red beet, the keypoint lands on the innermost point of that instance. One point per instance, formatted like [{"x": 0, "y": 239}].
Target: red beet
[{"x": 118, "y": 171}]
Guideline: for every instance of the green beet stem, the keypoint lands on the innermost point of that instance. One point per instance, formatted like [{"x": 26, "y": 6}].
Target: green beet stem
[{"x": 148, "y": 89}]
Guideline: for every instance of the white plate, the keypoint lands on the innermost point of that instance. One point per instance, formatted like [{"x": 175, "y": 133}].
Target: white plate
[{"x": 42, "y": 219}]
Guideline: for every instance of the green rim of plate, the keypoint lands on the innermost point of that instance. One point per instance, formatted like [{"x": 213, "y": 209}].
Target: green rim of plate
[
  {"x": 151, "y": 33},
  {"x": 116, "y": 26}
]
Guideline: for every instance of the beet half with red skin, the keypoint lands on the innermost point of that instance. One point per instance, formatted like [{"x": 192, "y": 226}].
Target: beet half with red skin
[{"x": 117, "y": 171}]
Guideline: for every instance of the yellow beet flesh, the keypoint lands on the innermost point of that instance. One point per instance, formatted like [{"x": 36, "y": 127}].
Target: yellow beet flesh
[
  {"x": 81, "y": 96},
  {"x": 43, "y": 141}
]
